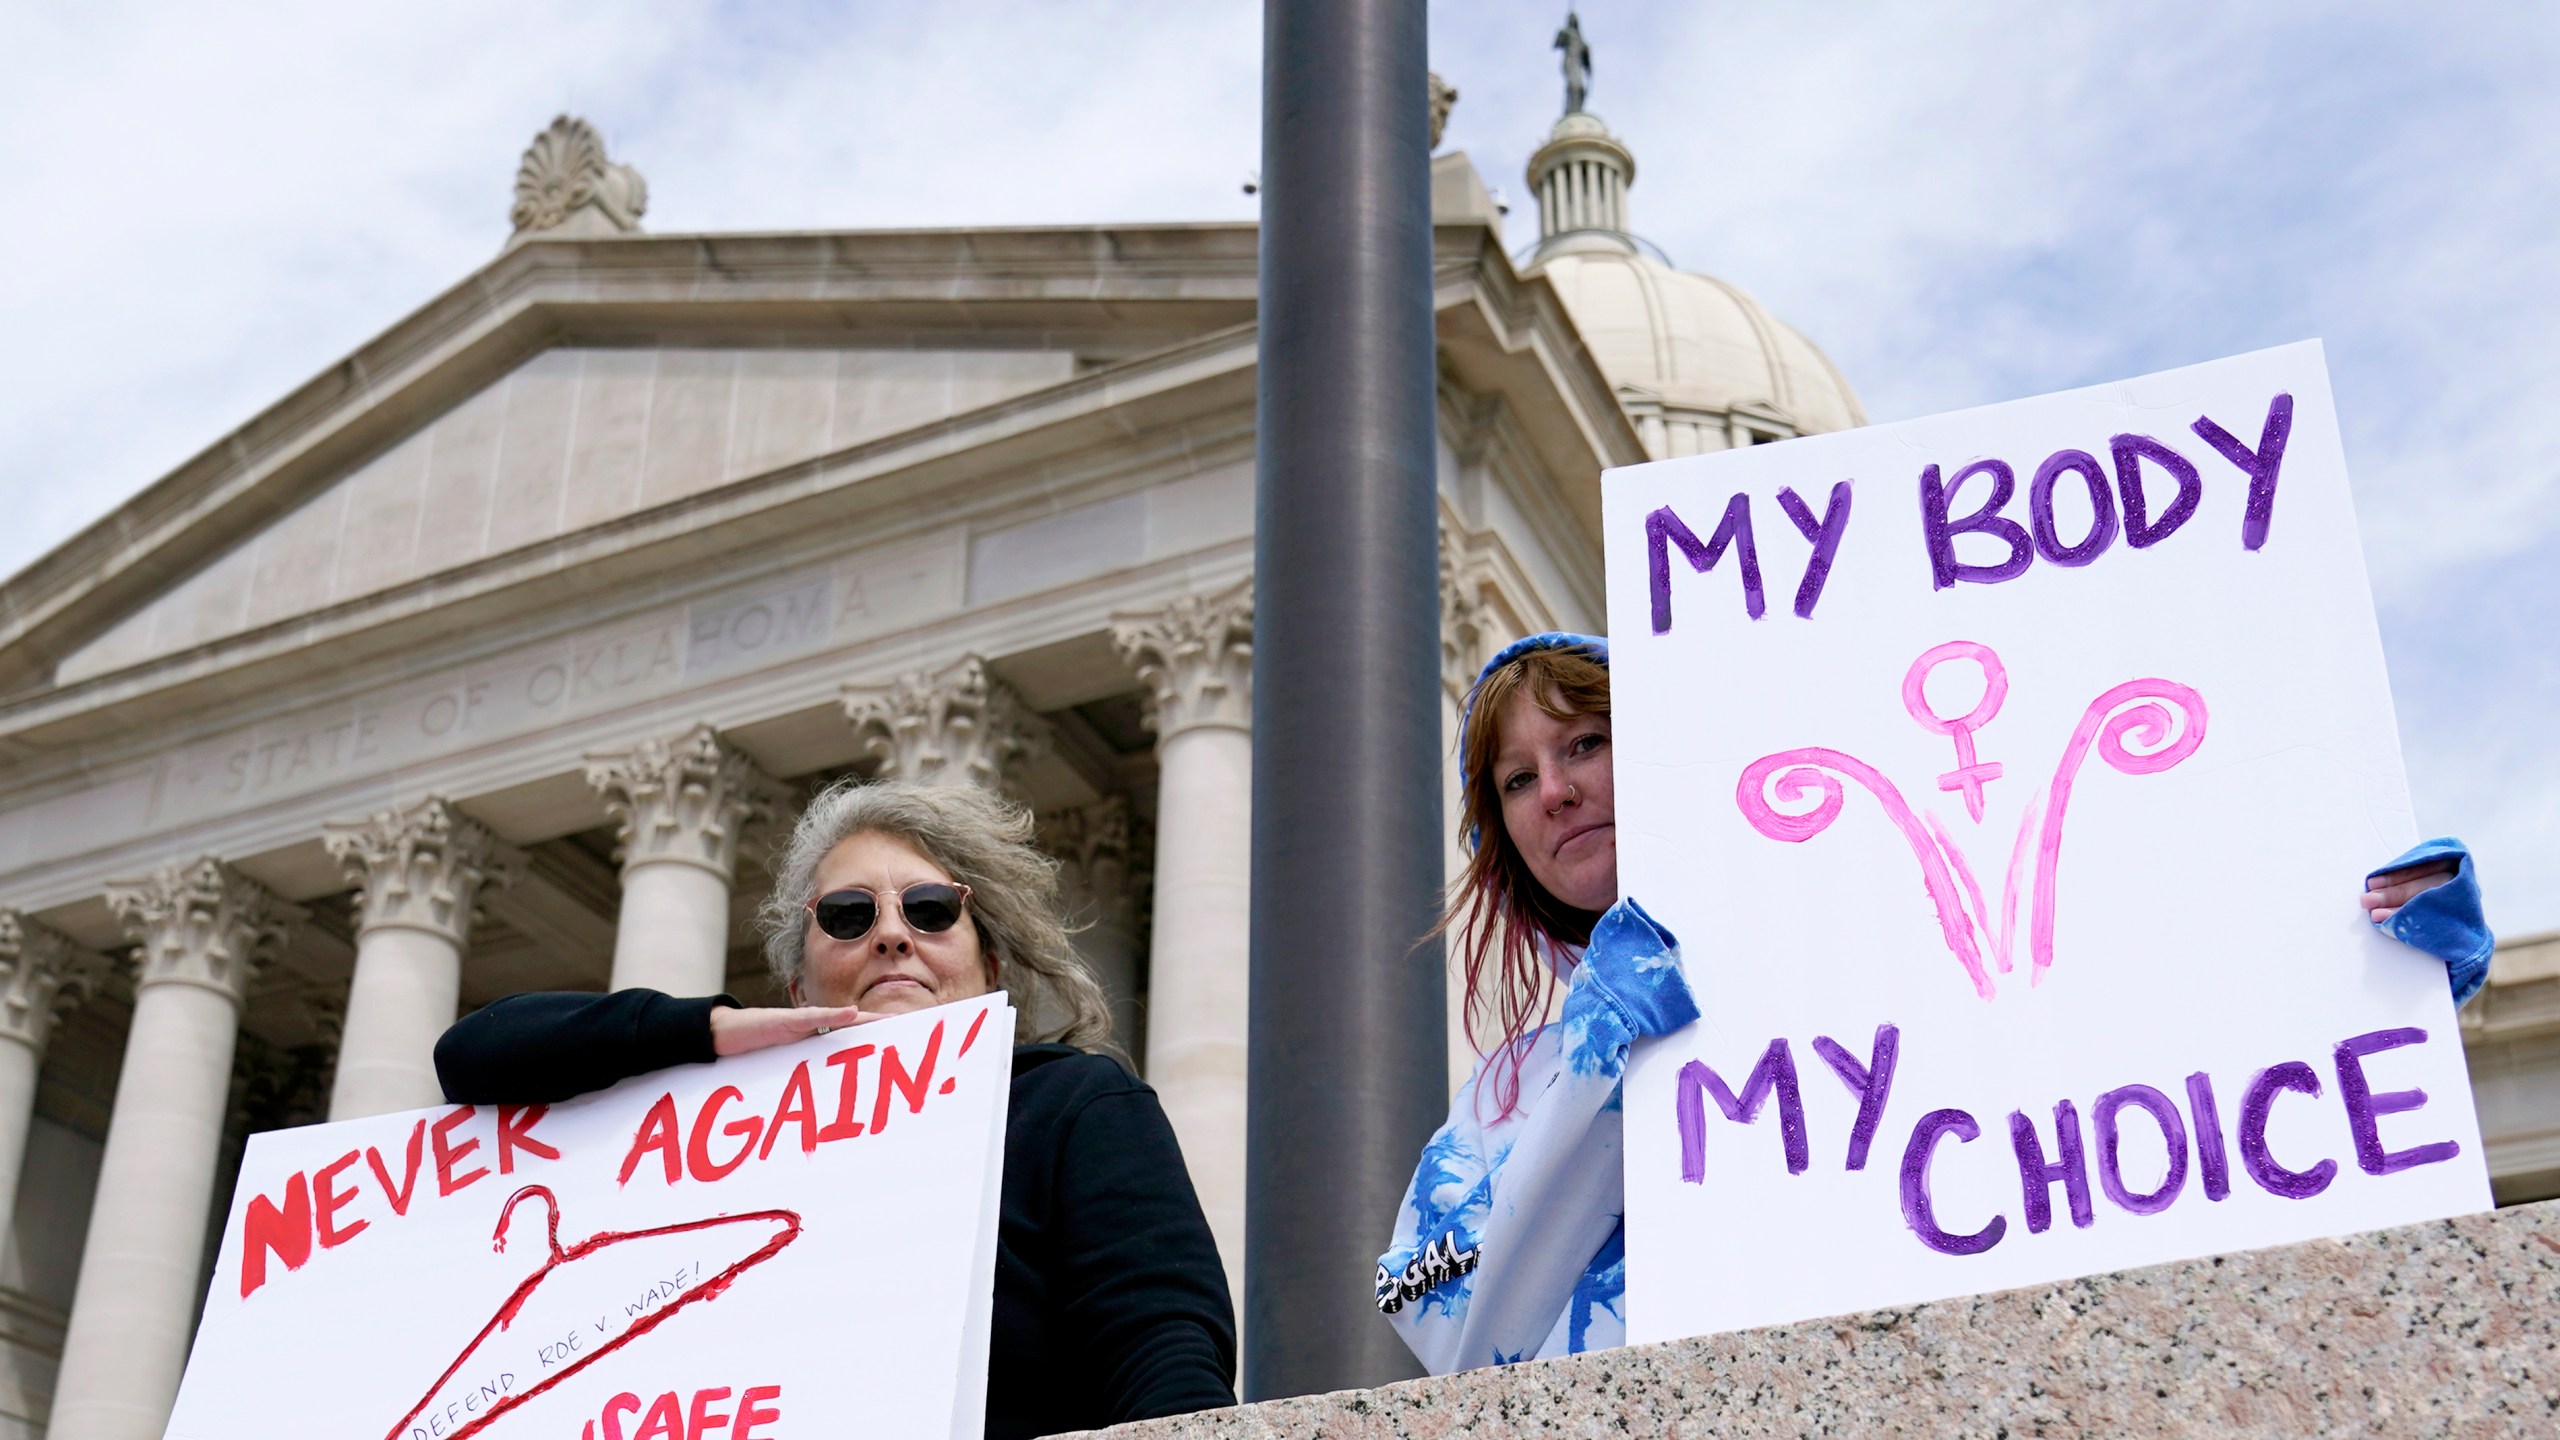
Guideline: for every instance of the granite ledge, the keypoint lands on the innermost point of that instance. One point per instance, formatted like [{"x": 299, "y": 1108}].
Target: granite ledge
[{"x": 2449, "y": 1328}]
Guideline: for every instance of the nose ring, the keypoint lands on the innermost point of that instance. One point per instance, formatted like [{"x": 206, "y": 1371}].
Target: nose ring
[{"x": 1572, "y": 796}]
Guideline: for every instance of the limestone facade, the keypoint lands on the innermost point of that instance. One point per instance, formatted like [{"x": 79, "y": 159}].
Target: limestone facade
[{"x": 2511, "y": 1036}]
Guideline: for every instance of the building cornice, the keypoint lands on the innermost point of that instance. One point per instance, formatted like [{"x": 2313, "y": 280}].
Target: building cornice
[
  {"x": 1501, "y": 335},
  {"x": 1505, "y": 334},
  {"x": 1189, "y": 384}
]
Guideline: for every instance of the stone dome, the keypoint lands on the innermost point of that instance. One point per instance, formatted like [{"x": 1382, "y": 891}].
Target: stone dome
[{"x": 1697, "y": 363}]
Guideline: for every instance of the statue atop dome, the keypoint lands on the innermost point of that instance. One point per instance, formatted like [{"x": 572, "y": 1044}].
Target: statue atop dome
[
  {"x": 1581, "y": 174},
  {"x": 1577, "y": 62},
  {"x": 1697, "y": 364},
  {"x": 565, "y": 186}
]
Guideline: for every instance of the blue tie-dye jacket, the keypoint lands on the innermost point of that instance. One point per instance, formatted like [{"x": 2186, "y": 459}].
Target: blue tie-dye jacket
[
  {"x": 1540, "y": 1190},
  {"x": 1511, "y": 1244}
]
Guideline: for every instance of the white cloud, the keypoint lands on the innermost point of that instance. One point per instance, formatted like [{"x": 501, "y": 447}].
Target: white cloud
[{"x": 1961, "y": 204}]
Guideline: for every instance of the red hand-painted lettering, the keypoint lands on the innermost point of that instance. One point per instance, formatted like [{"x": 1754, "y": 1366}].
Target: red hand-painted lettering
[
  {"x": 286, "y": 1232},
  {"x": 515, "y": 1132},
  {"x": 448, "y": 1155},
  {"x": 328, "y": 1200}
]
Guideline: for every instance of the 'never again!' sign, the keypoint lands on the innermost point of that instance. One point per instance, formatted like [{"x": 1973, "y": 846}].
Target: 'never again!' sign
[
  {"x": 797, "y": 1241},
  {"x": 2008, "y": 778}
]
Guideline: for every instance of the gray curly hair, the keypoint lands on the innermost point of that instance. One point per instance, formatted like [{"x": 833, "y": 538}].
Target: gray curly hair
[{"x": 983, "y": 841}]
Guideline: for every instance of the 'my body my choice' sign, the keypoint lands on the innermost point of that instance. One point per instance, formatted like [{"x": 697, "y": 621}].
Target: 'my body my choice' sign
[{"x": 2008, "y": 777}]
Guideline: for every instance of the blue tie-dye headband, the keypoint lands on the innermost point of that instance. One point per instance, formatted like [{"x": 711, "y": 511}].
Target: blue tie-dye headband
[{"x": 1597, "y": 646}]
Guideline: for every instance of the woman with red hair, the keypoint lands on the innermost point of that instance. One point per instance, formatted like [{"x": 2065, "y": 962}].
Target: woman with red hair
[{"x": 1510, "y": 1244}]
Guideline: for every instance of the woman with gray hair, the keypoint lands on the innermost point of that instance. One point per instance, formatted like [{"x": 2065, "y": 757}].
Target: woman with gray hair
[{"x": 1110, "y": 1304}]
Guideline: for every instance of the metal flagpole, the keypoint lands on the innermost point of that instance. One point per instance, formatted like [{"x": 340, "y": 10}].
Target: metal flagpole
[{"x": 1348, "y": 1070}]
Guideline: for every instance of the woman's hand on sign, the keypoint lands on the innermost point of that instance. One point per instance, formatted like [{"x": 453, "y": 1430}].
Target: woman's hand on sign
[
  {"x": 2385, "y": 893},
  {"x": 735, "y": 1032}
]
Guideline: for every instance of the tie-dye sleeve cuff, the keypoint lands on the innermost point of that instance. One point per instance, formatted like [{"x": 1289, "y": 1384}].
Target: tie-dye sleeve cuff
[
  {"x": 1637, "y": 962},
  {"x": 2449, "y": 921}
]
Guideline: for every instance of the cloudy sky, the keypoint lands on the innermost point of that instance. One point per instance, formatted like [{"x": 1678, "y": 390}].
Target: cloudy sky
[{"x": 1961, "y": 202}]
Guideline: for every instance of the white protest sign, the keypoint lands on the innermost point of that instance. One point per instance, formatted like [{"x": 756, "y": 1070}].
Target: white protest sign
[
  {"x": 2008, "y": 778},
  {"x": 779, "y": 1244}
]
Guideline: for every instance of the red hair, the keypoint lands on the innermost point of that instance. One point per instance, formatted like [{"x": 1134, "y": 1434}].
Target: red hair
[{"x": 1497, "y": 909}]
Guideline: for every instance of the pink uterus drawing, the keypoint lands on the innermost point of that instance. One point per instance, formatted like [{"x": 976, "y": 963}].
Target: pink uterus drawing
[{"x": 2137, "y": 713}]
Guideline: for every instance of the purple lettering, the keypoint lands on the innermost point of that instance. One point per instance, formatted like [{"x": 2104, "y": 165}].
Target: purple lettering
[
  {"x": 2102, "y": 508},
  {"x": 2255, "y": 1104},
  {"x": 2139, "y": 531},
  {"x": 1917, "y": 1211},
  {"x": 1825, "y": 535},
  {"x": 2260, "y": 465},
  {"x": 1776, "y": 1071},
  {"x": 1663, "y": 529},
  {"x": 2211, "y": 1163},
  {"x": 1871, "y": 1082},
  {"x": 2173, "y": 1131},
  {"x": 1940, "y": 533},
  {"x": 2365, "y": 1108},
  {"x": 2037, "y": 1174}
]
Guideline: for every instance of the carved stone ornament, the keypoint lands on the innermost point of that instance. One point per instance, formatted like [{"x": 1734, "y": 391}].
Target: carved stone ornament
[
  {"x": 201, "y": 923},
  {"x": 1444, "y": 97},
  {"x": 422, "y": 867},
  {"x": 42, "y": 974},
  {"x": 955, "y": 726},
  {"x": 688, "y": 799},
  {"x": 566, "y": 186},
  {"x": 1464, "y": 618},
  {"x": 1090, "y": 835},
  {"x": 1196, "y": 658},
  {"x": 1101, "y": 850}
]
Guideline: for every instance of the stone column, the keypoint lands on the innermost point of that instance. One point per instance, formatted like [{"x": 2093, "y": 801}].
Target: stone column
[
  {"x": 1196, "y": 657},
  {"x": 422, "y": 868},
  {"x": 955, "y": 726},
  {"x": 41, "y": 975},
  {"x": 203, "y": 931},
  {"x": 1464, "y": 623},
  {"x": 1100, "y": 885},
  {"x": 682, "y": 804}
]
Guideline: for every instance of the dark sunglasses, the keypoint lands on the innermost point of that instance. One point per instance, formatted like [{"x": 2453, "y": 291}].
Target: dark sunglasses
[{"x": 929, "y": 908}]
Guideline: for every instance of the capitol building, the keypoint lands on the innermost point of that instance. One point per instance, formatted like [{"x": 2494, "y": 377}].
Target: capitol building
[{"x": 491, "y": 658}]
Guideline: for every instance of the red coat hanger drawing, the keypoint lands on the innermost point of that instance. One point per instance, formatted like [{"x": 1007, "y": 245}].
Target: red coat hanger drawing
[{"x": 611, "y": 1255}]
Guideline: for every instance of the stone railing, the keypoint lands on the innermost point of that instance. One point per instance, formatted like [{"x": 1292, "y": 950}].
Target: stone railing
[{"x": 2450, "y": 1328}]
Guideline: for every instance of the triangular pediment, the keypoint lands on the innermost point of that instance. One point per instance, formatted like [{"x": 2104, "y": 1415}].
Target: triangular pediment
[
  {"x": 580, "y": 414},
  {"x": 573, "y": 438},
  {"x": 570, "y": 384}
]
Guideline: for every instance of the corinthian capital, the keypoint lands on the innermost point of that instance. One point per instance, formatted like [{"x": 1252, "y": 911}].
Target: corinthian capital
[
  {"x": 1094, "y": 845},
  {"x": 687, "y": 799},
  {"x": 422, "y": 867},
  {"x": 1196, "y": 656},
  {"x": 1100, "y": 850},
  {"x": 1464, "y": 617},
  {"x": 42, "y": 974},
  {"x": 955, "y": 726},
  {"x": 202, "y": 923}
]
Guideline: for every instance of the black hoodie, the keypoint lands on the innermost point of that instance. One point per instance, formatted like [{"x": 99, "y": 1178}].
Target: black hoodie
[{"x": 1110, "y": 1303}]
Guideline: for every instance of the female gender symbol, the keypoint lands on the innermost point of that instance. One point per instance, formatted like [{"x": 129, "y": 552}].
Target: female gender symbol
[{"x": 1969, "y": 775}]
